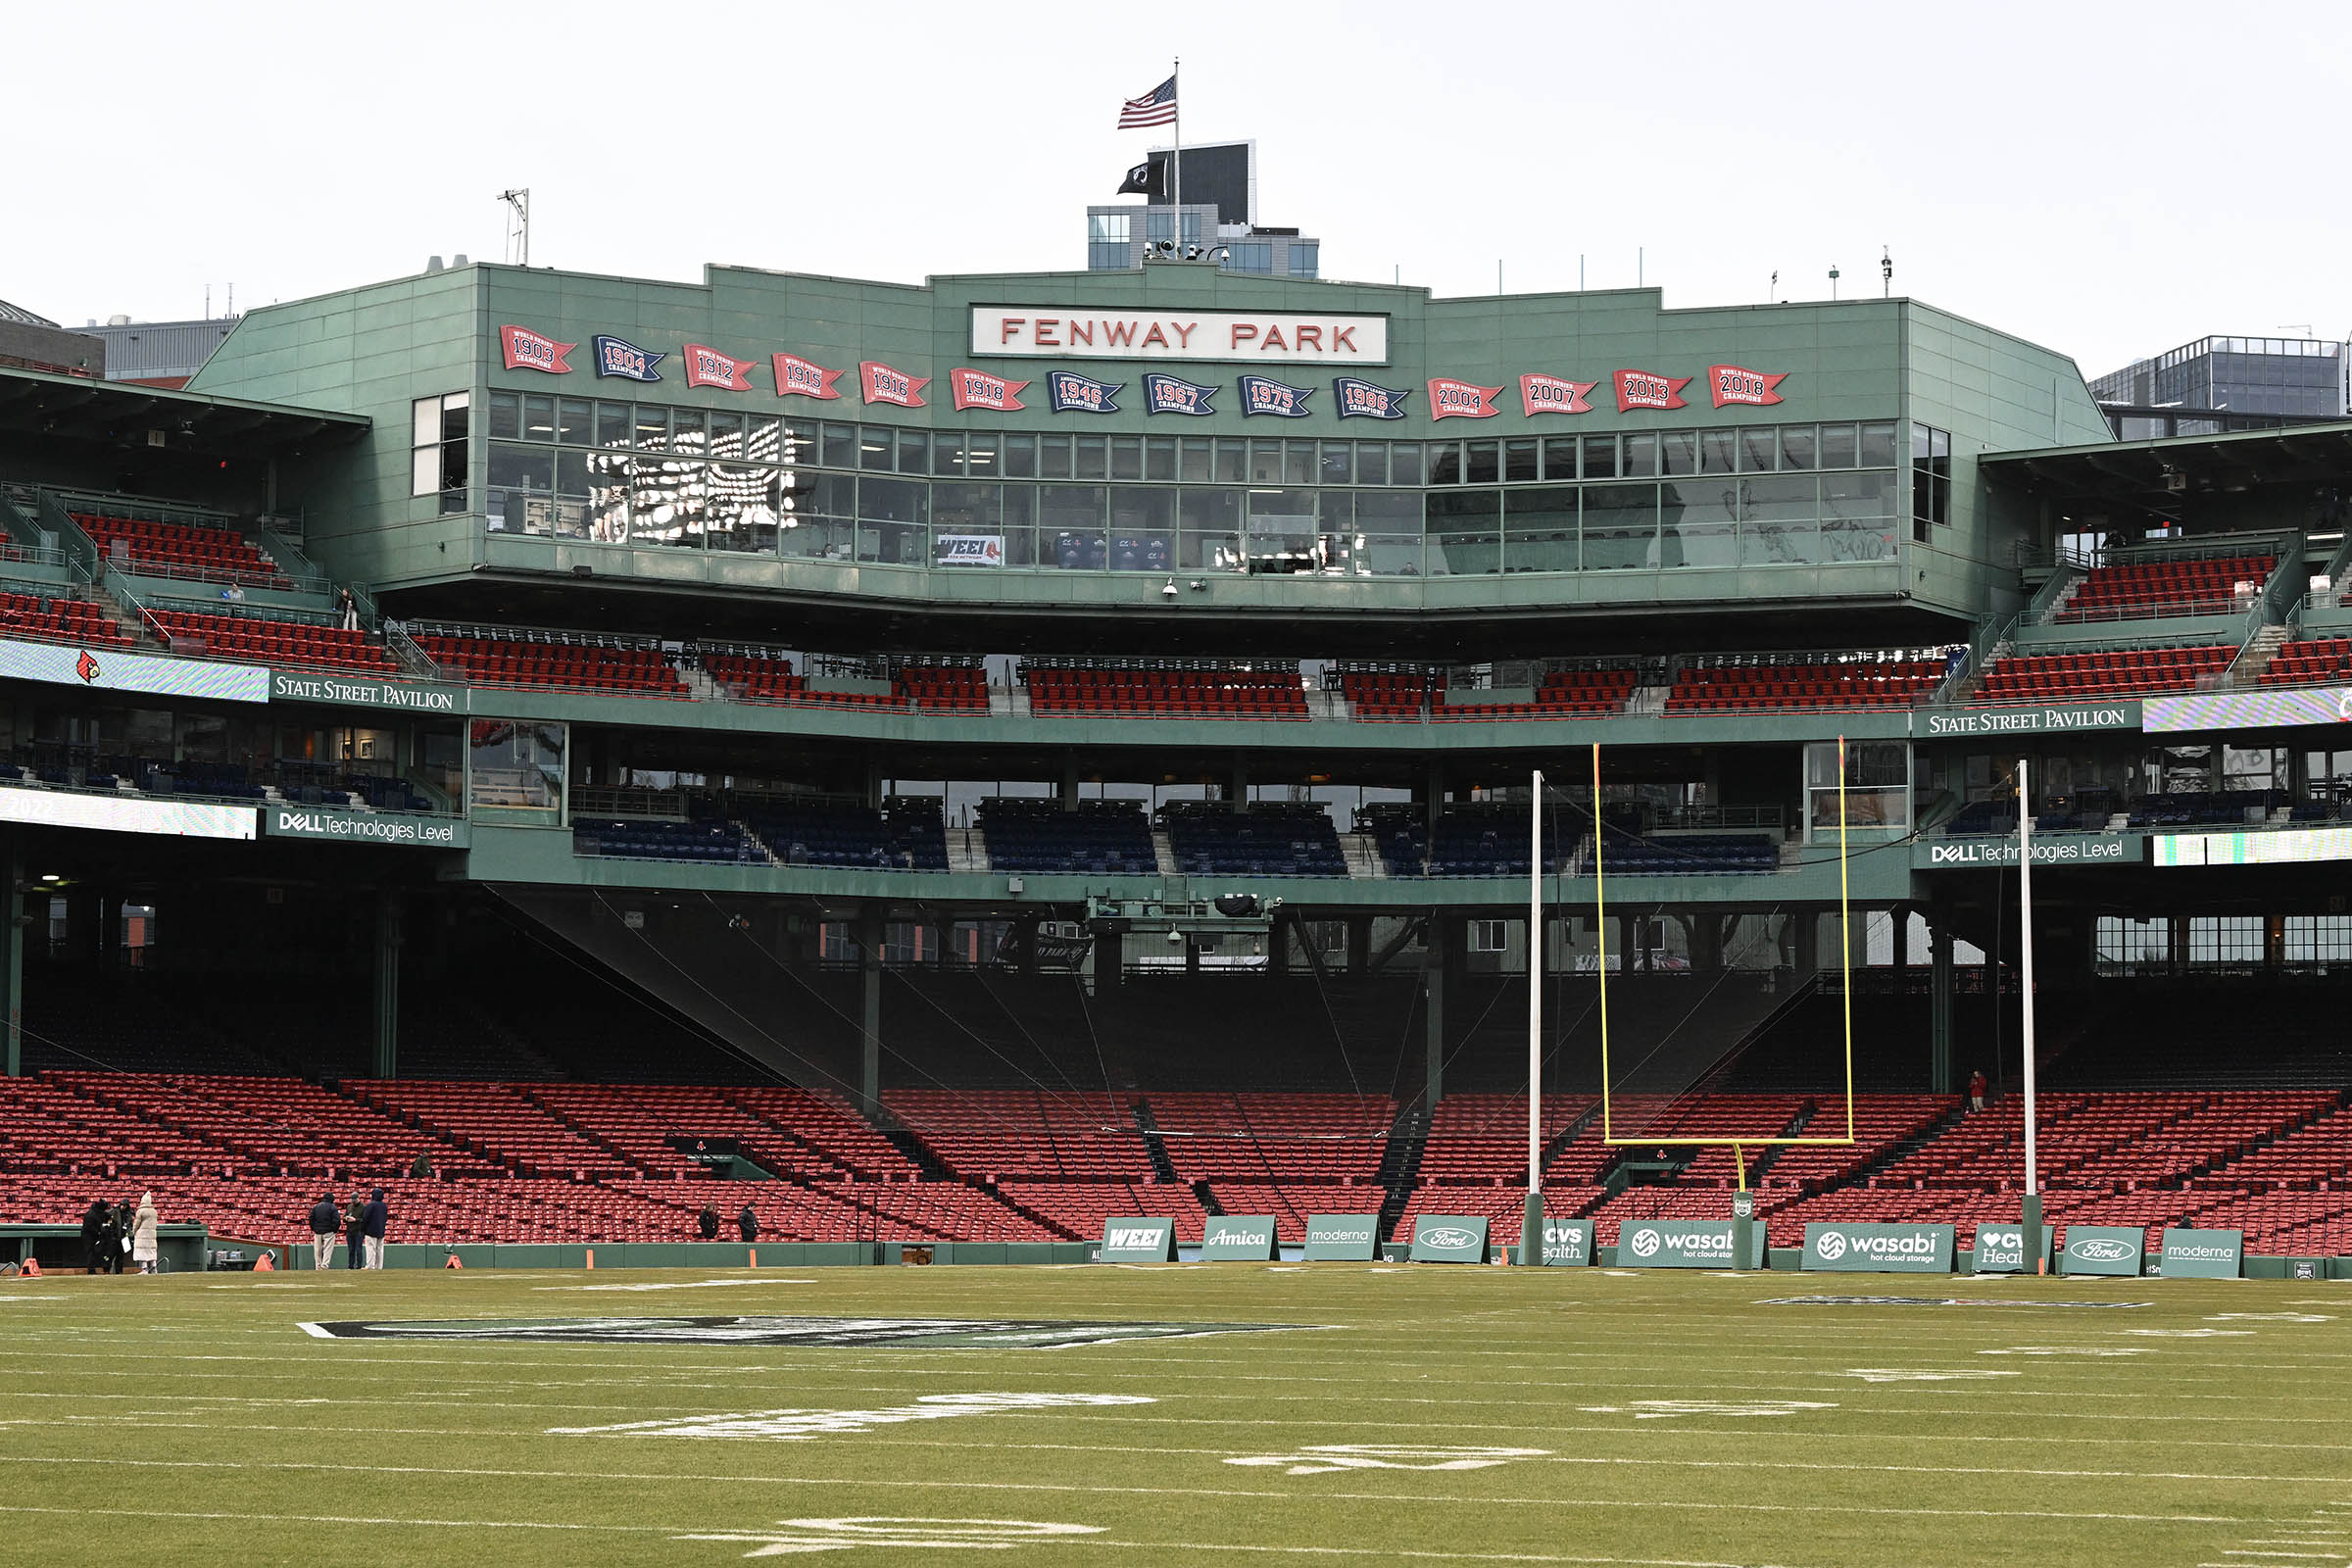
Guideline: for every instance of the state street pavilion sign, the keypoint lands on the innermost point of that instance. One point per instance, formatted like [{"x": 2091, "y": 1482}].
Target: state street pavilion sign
[{"x": 1248, "y": 337}]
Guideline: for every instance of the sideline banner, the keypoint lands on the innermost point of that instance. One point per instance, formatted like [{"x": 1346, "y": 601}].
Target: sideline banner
[
  {"x": 1238, "y": 1238},
  {"x": 1879, "y": 1248},
  {"x": 1567, "y": 1242},
  {"x": 1450, "y": 1239},
  {"x": 1139, "y": 1240},
  {"x": 1342, "y": 1238},
  {"x": 2103, "y": 1249},
  {"x": 1684, "y": 1243},
  {"x": 2001, "y": 1248},
  {"x": 2203, "y": 1255}
]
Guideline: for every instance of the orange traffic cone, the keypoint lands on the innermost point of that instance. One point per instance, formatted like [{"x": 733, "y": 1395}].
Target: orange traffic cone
[
  {"x": 32, "y": 1269},
  {"x": 454, "y": 1261},
  {"x": 262, "y": 1263}
]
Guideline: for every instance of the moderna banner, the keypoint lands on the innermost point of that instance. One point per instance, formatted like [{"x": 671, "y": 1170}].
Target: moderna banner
[
  {"x": 526, "y": 350},
  {"x": 1646, "y": 389},
  {"x": 1734, "y": 384},
  {"x": 797, "y": 377},
  {"x": 1553, "y": 394},
  {"x": 882, "y": 384},
  {"x": 1462, "y": 400},
  {"x": 977, "y": 389},
  {"x": 707, "y": 366},
  {"x": 1173, "y": 394},
  {"x": 1365, "y": 399},
  {"x": 1342, "y": 1238}
]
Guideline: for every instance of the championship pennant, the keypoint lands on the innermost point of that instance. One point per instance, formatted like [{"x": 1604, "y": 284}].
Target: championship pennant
[
  {"x": 707, "y": 366},
  {"x": 1363, "y": 400},
  {"x": 1069, "y": 392},
  {"x": 526, "y": 350},
  {"x": 1264, "y": 395},
  {"x": 1646, "y": 389},
  {"x": 977, "y": 389},
  {"x": 616, "y": 356},
  {"x": 1554, "y": 394},
  {"x": 1462, "y": 400},
  {"x": 797, "y": 377},
  {"x": 885, "y": 385},
  {"x": 1172, "y": 394},
  {"x": 1732, "y": 383}
]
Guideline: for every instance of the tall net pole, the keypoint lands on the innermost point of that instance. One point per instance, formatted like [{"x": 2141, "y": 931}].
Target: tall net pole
[
  {"x": 2032, "y": 1208},
  {"x": 1531, "y": 1227}
]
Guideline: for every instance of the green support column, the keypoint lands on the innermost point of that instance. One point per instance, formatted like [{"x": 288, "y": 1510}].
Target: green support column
[
  {"x": 869, "y": 1031},
  {"x": 1359, "y": 944},
  {"x": 387, "y": 982},
  {"x": 1939, "y": 1008},
  {"x": 1433, "y": 990},
  {"x": 12, "y": 969}
]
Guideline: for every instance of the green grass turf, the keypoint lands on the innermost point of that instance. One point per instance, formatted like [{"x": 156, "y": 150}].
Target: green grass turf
[{"x": 187, "y": 1419}]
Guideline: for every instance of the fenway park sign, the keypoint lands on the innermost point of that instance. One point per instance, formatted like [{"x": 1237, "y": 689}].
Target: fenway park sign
[{"x": 1266, "y": 337}]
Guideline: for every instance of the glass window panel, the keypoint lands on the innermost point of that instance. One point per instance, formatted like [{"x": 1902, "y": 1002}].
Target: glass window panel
[
  {"x": 1779, "y": 498},
  {"x": 1020, "y": 525},
  {"x": 1159, "y": 458},
  {"x": 613, "y": 420},
  {"x": 1053, "y": 457},
  {"x": 727, "y": 435},
  {"x": 1796, "y": 447},
  {"x": 1404, "y": 462},
  {"x": 666, "y": 501},
  {"x": 454, "y": 413},
  {"x": 984, "y": 456},
  {"x": 1233, "y": 462},
  {"x": 1620, "y": 526},
  {"x": 763, "y": 439},
  {"x": 741, "y": 507},
  {"x": 1677, "y": 451},
  {"x": 1371, "y": 462},
  {"x": 1444, "y": 461},
  {"x": 653, "y": 428},
  {"x": 1197, "y": 460},
  {"x": 1339, "y": 464},
  {"x": 538, "y": 418},
  {"x": 1389, "y": 539},
  {"x": 686, "y": 432},
  {"x": 1559, "y": 457},
  {"x": 608, "y": 496},
  {"x": 1717, "y": 451},
  {"x": 1878, "y": 445},
  {"x": 1465, "y": 533},
  {"x": 1919, "y": 444},
  {"x": 1126, "y": 457},
  {"x": 574, "y": 422},
  {"x": 1519, "y": 460},
  {"x": 1020, "y": 457},
  {"x": 1539, "y": 528},
  {"x": 841, "y": 446},
  {"x": 506, "y": 416},
  {"x": 571, "y": 473},
  {"x": 1211, "y": 537},
  {"x": 424, "y": 421},
  {"x": 1265, "y": 463},
  {"x": 1839, "y": 447},
  {"x": 1759, "y": 450},
  {"x": 946, "y": 454},
  {"x": 523, "y": 482},
  {"x": 1600, "y": 456},
  {"x": 1069, "y": 526},
  {"x": 1640, "y": 455},
  {"x": 915, "y": 452},
  {"x": 892, "y": 521},
  {"x": 874, "y": 448},
  {"x": 1484, "y": 464},
  {"x": 1143, "y": 528},
  {"x": 1093, "y": 457}
]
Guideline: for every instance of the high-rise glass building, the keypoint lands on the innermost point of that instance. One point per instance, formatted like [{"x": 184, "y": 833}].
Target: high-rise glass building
[{"x": 2280, "y": 380}]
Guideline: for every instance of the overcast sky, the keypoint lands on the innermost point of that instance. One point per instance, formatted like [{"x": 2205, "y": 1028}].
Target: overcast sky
[{"x": 2109, "y": 180}]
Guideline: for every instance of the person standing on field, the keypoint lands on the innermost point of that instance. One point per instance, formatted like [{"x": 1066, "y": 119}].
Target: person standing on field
[
  {"x": 707, "y": 1223},
  {"x": 373, "y": 1221},
  {"x": 142, "y": 1234},
  {"x": 748, "y": 1223},
  {"x": 117, "y": 1236},
  {"x": 326, "y": 1220},
  {"x": 93, "y": 1236},
  {"x": 354, "y": 1216}
]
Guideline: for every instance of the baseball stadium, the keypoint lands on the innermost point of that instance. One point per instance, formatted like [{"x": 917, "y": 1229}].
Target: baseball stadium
[{"x": 1247, "y": 916}]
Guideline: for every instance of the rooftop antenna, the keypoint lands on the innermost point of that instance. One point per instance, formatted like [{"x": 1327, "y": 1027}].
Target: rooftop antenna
[
  {"x": 519, "y": 225},
  {"x": 1833, "y": 281},
  {"x": 1771, "y": 295},
  {"x": 1886, "y": 272}
]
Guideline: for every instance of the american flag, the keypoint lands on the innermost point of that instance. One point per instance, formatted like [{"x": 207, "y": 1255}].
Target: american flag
[{"x": 1154, "y": 108}]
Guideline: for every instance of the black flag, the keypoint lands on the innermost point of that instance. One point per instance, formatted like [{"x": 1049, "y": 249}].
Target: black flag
[{"x": 1147, "y": 179}]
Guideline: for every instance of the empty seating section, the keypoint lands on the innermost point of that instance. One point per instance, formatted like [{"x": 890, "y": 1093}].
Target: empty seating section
[
  {"x": 1562, "y": 694},
  {"x": 1292, "y": 839},
  {"x": 1167, "y": 692},
  {"x": 944, "y": 688},
  {"x": 719, "y": 843},
  {"x": 1034, "y": 835},
  {"x": 1310, "y": 1140},
  {"x": 938, "y": 686},
  {"x": 220, "y": 555},
  {"x": 2070, "y": 677},
  {"x": 909, "y": 835},
  {"x": 2311, "y": 662},
  {"x": 50, "y": 618},
  {"x": 1481, "y": 840},
  {"x": 1480, "y": 1139},
  {"x": 1020, "y": 1135},
  {"x": 522, "y": 659},
  {"x": 1389, "y": 693},
  {"x": 1399, "y": 831},
  {"x": 753, "y": 678},
  {"x": 1690, "y": 855},
  {"x": 2132, "y": 590},
  {"x": 1736, "y": 685},
  {"x": 498, "y": 1121},
  {"x": 271, "y": 641}
]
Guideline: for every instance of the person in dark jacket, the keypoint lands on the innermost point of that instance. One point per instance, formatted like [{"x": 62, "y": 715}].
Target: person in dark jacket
[
  {"x": 354, "y": 1216},
  {"x": 118, "y": 1232},
  {"x": 707, "y": 1223},
  {"x": 373, "y": 1221},
  {"x": 93, "y": 1236},
  {"x": 326, "y": 1220},
  {"x": 749, "y": 1223}
]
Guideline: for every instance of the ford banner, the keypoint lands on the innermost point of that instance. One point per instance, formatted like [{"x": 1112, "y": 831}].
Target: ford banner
[
  {"x": 1879, "y": 1248},
  {"x": 1683, "y": 1244},
  {"x": 1567, "y": 1242},
  {"x": 1139, "y": 1240},
  {"x": 1238, "y": 1238},
  {"x": 2103, "y": 1249},
  {"x": 1450, "y": 1239},
  {"x": 2203, "y": 1255},
  {"x": 1342, "y": 1238}
]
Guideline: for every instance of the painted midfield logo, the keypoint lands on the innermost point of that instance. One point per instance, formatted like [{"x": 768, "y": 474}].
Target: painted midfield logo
[{"x": 851, "y": 1333}]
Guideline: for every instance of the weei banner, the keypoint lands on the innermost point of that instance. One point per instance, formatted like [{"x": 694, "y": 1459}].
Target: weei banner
[
  {"x": 1238, "y": 1238},
  {"x": 1450, "y": 1239},
  {"x": 2002, "y": 1250},
  {"x": 2103, "y": 1249},
  {"x": 1567, "y": 1242},
  {"x": 2203, "y": 1255},
  {"x": 1139, "y": 1240},
  {"x": 1879, "y": 1248},
  {"x": 1683, "y": 1244},
  {"x": 1342, "y": 1238}
]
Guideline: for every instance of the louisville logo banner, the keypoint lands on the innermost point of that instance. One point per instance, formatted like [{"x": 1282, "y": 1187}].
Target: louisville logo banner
[
  {"x": 977, "y": 389},
  {"x": 526, "y": 350},
  {"x": 1646, "y": 389},
  {"x": 1462, "y": 400},
  {"x": 1264, "y": 395},
  {"x": 1069, "y": 392},
  {"x": 1363, "y": 400},
  {"x": 885, "y": 385},
  {"x": 1554, "y": 394},
  {"x": 1173, "y": 394},
  {"x": 1732, "y": 383},
  {"x": 797, "y": 377},
  {"x": 617, "y": 357},
  {"x": 707, "y": 366}
]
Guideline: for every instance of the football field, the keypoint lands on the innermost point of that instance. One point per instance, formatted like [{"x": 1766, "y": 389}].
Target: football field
[{"x": 1085, "y": 1414}]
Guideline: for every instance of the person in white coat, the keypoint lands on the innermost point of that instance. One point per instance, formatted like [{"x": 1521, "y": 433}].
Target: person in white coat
[{"x": 142, "y": 1234}]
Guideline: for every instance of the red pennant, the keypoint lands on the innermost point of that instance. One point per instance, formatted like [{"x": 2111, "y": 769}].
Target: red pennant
[
  {"x": 1462, "y": 400},
  {"x": 885, "y": 385},
  {"x": 707, "y": 366},
  {"x": 1553, "y": 394},
  {"x": 1730, "y": 383},
  {"x": 526, "y": 350},
  {"x": 977, "y": 389},
  {"x": 1646, "y": 389},
  {"x": 797, "y": 377}
]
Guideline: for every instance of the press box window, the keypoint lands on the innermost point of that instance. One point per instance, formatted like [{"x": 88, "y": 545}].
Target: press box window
[
  {"x": 1931, "y": 479},
  {"x": 437, "y": 448},
  {"x": 1490, "y": 936}
]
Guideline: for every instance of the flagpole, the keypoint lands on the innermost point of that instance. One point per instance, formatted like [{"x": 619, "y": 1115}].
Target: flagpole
[{"x": 1176, "y": 158}]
